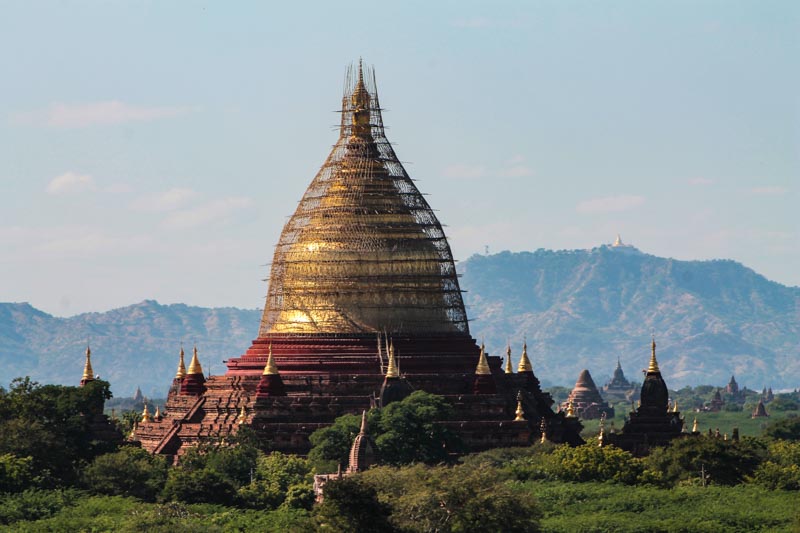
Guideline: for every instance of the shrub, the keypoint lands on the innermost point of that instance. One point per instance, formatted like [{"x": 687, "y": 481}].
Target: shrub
[{"x": 128, "y": 472}]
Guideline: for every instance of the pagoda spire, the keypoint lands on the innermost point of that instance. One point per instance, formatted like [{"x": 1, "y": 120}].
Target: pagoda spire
[
  {"x": 88, "y": 372},
  {"x": 520, "y": 412},
  {"x": 509, "y": 369},
  {"x": 271, "y": 383},
  {"x": 145, "y": 414},
  {"x": 653, "y": 367},
  {"x": 194, "y": 364},
  {"x": 181, "y": 365},
  {"x": 270, "y": 369},
  {"x": 391, "y": 367},
  {"x": 483, "y": 364},
  {"x": 524, "y": 363}
]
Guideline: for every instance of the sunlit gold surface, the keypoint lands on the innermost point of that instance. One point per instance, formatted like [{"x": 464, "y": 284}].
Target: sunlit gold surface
[
  {"x": 524, "y": 363},
  {"x": 483, "y": 364},
  {"x": 363, "y": 252},
  {"x": 181, "y": 366},
  {"x": 653, "y": 366},
  {"x": 194, "y": 364},
  {"x": 88, "y": 372}
]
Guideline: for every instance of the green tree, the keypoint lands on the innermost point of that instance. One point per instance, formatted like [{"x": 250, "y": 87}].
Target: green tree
[
  {"x": 16, "y": 473},
  {"x": 470, "y": 497},
  {"x": 279, "y": 479},
  {"x": 404, "y": 432},
  {"x": 781, "y": 470},
  {"x": 352, "y": 505},
  {"x": 786, "y": 429},
  {"x": 593, "y": 463},
  {"x": 52, "y": 424},
  {"x": 198, "y": 486},
  {"x": 128, "y": 472},
  {"x": 724, "y": 462}
]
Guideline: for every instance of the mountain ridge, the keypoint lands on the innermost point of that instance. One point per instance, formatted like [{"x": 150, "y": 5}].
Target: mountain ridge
[{"x": 577, "y": 308}]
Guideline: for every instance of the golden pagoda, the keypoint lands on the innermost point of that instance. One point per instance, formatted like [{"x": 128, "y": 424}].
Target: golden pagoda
[
  {"x": 509, "y": 369},
  {"x": 524, "y": 363},
  {"x": 88, "y": 372},
  {"x": 362, "y": 259},
  {"x": 181, "y": 366},
  {"x": 363, "y": 252}
]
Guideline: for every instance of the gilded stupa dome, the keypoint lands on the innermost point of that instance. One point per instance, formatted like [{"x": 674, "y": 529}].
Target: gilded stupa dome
[{"x": 363, "y": 252}]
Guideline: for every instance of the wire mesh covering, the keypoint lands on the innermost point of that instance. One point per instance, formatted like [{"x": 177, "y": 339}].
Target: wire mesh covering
[{"x": 363, "y": 252}]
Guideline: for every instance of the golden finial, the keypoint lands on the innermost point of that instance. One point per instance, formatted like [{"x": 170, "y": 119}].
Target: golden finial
[
  {"x": 653, "y": 363},
  {"x": 391, "y": 368},
  {"x": 181, "y": 366},
  {"x": 483, "y": 365},
  {"x": 271, "y": 369},
  {"x": 694, "y": 426},
  {"x": 145, "y": 414},
  {"x": 194, "y": 364},
  {"x": 88, "y": 372},
  {"x": 157, "y": 416},
  {"x": 675, "y": 407},
  {"x": 524, "y": 363},
  {"x": 571, "y": 410},
  {"x": 242, "y": 416},
  {"x": 134, "y": 427},
  {"x": 519, "y": 412},
  {"x": 509, "y": 369},
  {"x": 543, "y": 430}
]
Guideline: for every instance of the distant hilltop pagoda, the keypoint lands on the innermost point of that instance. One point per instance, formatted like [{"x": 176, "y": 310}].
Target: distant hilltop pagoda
[
  {"x": 619, "y": 246},
  {"x": 619, "y": 389},
  {"x": 363, "y": 307},
  {"x": 652, "y": 423},
  {"x": 585, "y": 399}
]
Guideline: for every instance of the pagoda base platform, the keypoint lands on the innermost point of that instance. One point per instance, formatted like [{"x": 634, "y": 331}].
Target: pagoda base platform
[{"x": 328, "y": 376}]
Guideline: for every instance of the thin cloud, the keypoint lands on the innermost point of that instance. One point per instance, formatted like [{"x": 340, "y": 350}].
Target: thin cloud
[
  {"x": 206, "y": 213},
  {"x": 701, "y": 181},
  {"x": 464, "y": 171},
  {"x": 610, "y": 204},
  {"x": 61, "y": 115},
  {"x": 474, "y": 22},
  {"x": 69, "y": 182},
  {"x": 517, "y": 171},
  {"x": 168, "y": 200},
  {"x": 772, "y": 190}
]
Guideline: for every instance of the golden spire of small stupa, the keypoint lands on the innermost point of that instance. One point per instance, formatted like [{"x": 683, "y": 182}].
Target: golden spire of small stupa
[
  {"x": 181, "y": 366},
  {"x": 675, "y": 407},
  {"x": 242, "y": 416},
  {"x": 519, "y": 412},
  {"x": 509, "y": 368},
  {"x": 524, "y": 363},
  {"x": 694, "y": 426},
  {"x": 88, "y": 372},
  {"x": 145, "y": 414},
  {"x": 194, "y": 364},
  {"x": 653, "y": 367},
  {"x": 483, "y": 365},
  {"x": 391, "y": 367},
  {"x": 543, "y": 430},
  {"x": 570, "y": 410},
  {"x": 157, "y": 416},
  {"x": 271, "y": 368}
]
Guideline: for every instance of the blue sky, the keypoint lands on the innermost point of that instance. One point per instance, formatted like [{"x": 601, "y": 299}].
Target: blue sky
[{"x": 155, "y": 149}]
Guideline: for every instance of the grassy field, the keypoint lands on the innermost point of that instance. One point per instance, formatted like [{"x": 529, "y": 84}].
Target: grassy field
[
  {"x": 567, "y": 507},
  {"x": 606, "y": 507}
]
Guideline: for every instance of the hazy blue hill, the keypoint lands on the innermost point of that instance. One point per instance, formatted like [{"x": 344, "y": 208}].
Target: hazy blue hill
[
  {"x": 583, "y": 308},
  {"x": 579, "y": 309},
  {"x": 132, "y": 346}
]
